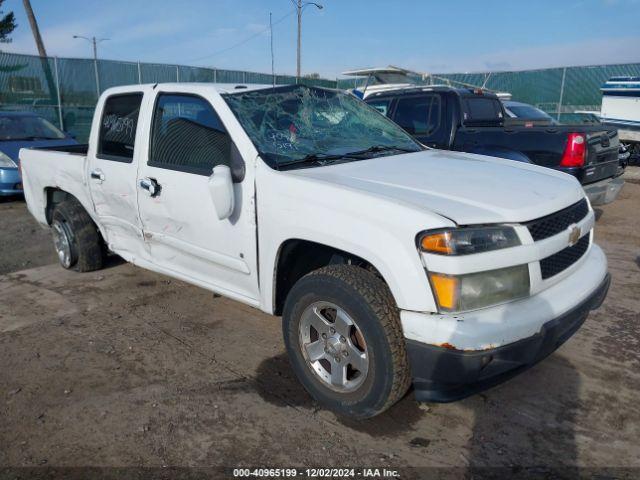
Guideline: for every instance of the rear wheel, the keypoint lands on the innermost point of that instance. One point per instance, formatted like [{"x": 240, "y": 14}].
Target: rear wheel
[
  {"x": 343, "y": 336},
  {"x": 76, "y": 238}
]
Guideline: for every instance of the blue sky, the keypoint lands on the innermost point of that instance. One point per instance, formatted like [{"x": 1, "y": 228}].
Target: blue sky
[{"x": 425, "y": 35}]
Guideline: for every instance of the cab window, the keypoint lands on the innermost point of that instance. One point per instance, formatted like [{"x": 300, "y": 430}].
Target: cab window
[
  {"x": 118, "y": 127},
  {"x": 419, "y": 116},
  {"x": 187, "y": 135},
  {"x": 482, "y": 110}
]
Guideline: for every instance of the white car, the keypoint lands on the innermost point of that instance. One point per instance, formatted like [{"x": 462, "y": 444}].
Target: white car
[{"x": 388, "y": 262}]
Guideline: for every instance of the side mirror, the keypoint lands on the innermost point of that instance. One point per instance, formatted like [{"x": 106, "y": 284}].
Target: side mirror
[{"x": 221, "y": 191}]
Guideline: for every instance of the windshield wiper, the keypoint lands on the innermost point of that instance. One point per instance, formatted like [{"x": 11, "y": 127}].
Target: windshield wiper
[
  {"x": 315, "y": 158},
  {"x": 379, "y": 148},
  {"x": 328, "y": 159}
]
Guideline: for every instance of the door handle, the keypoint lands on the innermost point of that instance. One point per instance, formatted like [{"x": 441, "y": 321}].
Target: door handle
[
  {"x": 97, "y": 174},
  {"x": 150, "y": 185}
]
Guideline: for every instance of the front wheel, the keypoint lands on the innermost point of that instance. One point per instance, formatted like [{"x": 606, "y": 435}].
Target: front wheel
[{"x": 343, "y": 335}]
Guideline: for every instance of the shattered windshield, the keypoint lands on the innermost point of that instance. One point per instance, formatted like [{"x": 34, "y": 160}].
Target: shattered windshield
[{"x": 300, "y": 125}]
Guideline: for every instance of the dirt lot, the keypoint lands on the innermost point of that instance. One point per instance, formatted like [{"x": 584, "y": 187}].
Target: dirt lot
[
  {"x": 126, "y": 368},
  {"x": 23, "y": 243}
]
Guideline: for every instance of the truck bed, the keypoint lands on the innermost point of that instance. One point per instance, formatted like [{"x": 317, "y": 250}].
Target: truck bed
[
  {"x": 544, "y": 145},
  {"x": 80, "y": 149},
  {"x": 47, "y": 169}
]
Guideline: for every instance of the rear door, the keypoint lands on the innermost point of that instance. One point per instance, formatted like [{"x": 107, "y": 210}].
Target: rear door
[
  {"x": 185, "y": 237},
  {"x": 112, "y": 172}
]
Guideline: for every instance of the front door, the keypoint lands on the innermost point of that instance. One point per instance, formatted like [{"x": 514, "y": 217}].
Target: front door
[
  {"x": 184, "y": 234},
  {"x": 112, "y": 174}
]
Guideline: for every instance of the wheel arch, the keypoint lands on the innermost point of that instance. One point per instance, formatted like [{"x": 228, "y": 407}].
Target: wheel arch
[
  {"x": 502, "y": 152},
  {"x": 52, "y": 197},
  {"x": 55, "y": 195},
  {"x": 297, "y": 257}
]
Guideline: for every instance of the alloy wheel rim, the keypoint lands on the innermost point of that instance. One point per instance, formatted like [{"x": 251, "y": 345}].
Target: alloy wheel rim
[
  {"x": 333, "y": 347},
  {"x": 62, "y": 243}
]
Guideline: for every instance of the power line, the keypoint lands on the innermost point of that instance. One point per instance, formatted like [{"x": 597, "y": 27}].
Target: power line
[{"x": 239, "y": 44}]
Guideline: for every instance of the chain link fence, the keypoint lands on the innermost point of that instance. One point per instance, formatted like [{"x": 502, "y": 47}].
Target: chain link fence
[
  {"x": 558, "y": 91},
  {"x": 65, "y": 90}
]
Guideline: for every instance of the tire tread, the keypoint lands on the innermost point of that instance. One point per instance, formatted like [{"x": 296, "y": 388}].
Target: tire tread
[
  {"x": 88, "y": 240},
  {"x": 380, "y": 299}
]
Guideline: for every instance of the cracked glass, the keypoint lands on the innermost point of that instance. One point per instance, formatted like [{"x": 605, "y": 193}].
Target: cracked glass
[{"x": 310, "y": 126}]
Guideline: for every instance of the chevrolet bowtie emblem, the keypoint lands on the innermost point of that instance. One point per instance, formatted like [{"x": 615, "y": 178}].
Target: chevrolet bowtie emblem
[{"x": 574, "y": 234}]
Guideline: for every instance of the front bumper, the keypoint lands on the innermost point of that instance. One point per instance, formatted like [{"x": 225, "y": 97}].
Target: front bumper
[
  {"x": 605, "y": 191},
  {"x": 10, "y": 182},
  {"x": 444, "y": 374}
]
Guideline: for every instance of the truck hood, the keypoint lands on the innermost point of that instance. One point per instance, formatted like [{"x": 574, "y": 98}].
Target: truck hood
[{"x": 465, "y": 188}]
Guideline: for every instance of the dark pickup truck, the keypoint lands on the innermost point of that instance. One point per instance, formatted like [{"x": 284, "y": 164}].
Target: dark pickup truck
[{"x": 474, "y": 121}]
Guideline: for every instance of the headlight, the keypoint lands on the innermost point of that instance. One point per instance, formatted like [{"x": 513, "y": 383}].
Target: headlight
[
  {"x": 5, "y": 161},
  {"x": 465, "y": 241},
  {"x": 458, "y": 293}
]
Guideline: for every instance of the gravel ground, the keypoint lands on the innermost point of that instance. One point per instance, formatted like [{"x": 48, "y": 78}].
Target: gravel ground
[
  {"x": 127, "y": 368},
  {"x": 24, "y": 243}
]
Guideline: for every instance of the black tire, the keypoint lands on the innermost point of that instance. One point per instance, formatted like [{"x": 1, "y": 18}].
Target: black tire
[
  {"x": 87, "y": 251},
  {"x": 368, "y": 301}
]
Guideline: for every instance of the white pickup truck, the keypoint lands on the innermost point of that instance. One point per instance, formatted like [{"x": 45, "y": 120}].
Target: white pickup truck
[{"x": 390, "y": 263}]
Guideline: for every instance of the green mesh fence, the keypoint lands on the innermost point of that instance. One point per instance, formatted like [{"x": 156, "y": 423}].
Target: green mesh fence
[
  {"x": 65, "y": 90},
  {"x": 28, "y": 83},
  {"x": 558, "y": 91}
]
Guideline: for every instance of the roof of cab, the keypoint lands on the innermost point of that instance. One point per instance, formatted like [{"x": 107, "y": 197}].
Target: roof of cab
[
  {"x": 217, "y": 87},
  {"x": 407, "y": 90}
]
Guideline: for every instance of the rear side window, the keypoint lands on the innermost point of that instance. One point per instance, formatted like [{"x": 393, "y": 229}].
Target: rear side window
[
  {"x": 187, "y": 135},
  {"x": 419, "y": 115},
  {"x": 118, "y": 127},
  {"x": 482, "y": 109}
]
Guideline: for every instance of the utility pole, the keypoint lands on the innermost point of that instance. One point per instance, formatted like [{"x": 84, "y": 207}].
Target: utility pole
[
  {"x": 46, "y": 68},
  {"x": 34, "y": 28},
  {"x": 300, "y": 6},
  {"x": 273, "y": 73},
  {"x": 298, "y": 62},
  {"x": 94, "y": 42}
]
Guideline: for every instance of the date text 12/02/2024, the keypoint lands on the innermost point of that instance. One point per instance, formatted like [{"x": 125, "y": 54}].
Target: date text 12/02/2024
[{"x": 315, "y": 473}]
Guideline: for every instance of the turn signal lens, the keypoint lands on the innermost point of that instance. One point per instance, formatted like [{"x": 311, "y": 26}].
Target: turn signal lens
[
  {"x": 446, "y": 290},
  {"x": 437, "y": 243}
]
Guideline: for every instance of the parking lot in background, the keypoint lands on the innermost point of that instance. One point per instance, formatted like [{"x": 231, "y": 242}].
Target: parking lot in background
[{"x": 126, "y": 367}]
